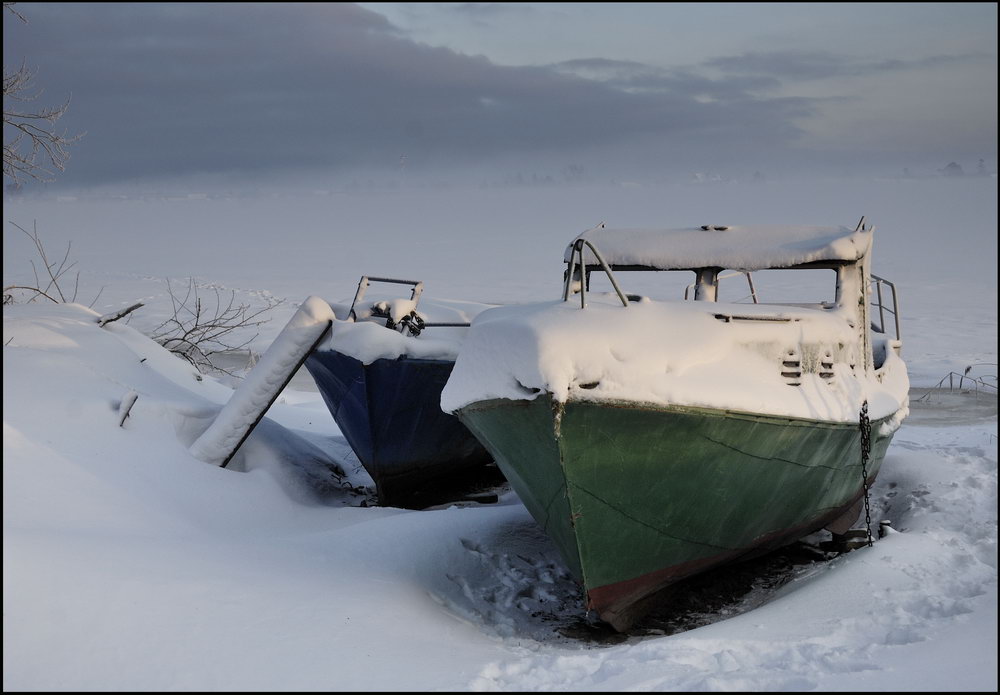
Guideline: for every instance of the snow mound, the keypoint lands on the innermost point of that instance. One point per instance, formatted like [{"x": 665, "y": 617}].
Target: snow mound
[{"x": 89, "y": 370}]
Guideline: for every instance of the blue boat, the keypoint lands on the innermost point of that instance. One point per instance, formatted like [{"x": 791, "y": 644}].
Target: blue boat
[{"x": 389, "y": 408}]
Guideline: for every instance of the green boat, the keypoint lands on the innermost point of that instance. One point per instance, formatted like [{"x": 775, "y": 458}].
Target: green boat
[{"x": 653, "y": 440}]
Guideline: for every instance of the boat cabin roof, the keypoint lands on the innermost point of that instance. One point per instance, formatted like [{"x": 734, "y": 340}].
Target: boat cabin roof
[{"x": 749, "y": 247}]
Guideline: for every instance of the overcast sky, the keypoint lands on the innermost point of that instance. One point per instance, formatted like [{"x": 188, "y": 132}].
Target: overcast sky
[{"x": 626, "y": 90}]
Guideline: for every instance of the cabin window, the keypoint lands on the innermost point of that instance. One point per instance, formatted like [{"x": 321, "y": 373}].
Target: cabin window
[
  {"x": 797, "y": 286},
  {"x": 667, "y": 285}
]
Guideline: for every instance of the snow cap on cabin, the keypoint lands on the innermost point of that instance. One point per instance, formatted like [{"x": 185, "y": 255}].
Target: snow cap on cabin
[{"x": 744, "y": 247}]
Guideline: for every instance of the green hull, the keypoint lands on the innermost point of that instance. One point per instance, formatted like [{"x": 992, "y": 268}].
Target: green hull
[{"x": 637, "y": 497}]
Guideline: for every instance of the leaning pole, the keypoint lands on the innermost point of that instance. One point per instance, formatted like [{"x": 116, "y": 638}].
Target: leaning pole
[{"x": 239, "y": 416}]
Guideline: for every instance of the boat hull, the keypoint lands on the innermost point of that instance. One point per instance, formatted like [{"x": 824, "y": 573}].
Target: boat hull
[
  {"x": 638, "y": 497},
  {"x": 390, "y": 413}
]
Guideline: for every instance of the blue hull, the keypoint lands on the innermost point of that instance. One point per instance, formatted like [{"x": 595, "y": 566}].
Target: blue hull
[{"x": 390, "y": 413}]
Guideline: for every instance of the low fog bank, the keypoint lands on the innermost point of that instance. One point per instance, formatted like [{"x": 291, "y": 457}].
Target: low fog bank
[
  {"x": 501, "y": 240},
  {"x": 614, "y": 168}
]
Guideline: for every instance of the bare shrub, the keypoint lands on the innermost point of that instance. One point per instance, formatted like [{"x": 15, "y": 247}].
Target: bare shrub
[
  {"x": 202, "y": 331},
  {"x": 52, "y": 283}
]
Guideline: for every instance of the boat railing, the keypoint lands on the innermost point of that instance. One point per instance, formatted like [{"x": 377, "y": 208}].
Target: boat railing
[
  {"x": 418, "y": 288},
  {"x": 578, "y": 265},
  {"x": 412, "y": 323},
  {"x": 878, "y": 302}
]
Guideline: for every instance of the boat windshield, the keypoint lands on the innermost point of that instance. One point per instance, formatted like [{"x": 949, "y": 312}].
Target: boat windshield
[
  {"x": 790, "y": 286},
  {"x": 807, "y": 287},
  {"x": 662, "y": 285}
]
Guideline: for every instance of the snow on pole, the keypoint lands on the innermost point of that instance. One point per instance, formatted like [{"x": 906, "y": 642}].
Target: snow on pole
[
  {"x": 128, "y": 400},
  {"x": 114, "y": 316},
  {"x": 261, "y": 387}
]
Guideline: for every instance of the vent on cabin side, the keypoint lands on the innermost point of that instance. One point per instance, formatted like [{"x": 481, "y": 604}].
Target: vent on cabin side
[
  {"x": 826, "y": 368},
  {"x": 791, "y": 368}
]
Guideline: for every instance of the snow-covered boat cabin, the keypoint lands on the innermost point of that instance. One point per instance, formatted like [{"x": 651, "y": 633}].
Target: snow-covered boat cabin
[{"x": 745, "y": 265}]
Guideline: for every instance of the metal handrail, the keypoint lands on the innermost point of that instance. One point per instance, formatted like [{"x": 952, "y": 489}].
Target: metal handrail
[
  {"x": 577, "y": 252},
  {"x": 880, "y": 303},
  {"x": 418, "y": 288}
]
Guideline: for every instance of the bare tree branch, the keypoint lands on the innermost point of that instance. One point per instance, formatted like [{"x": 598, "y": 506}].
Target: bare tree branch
[
  {"x": 9, "y": 6},
  {"x": 35, "y": 149},
  {"x": 8, "y": 298}
]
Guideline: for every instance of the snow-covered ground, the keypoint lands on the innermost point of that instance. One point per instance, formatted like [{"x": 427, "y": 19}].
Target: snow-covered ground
[{"x": 131, "y": 565}]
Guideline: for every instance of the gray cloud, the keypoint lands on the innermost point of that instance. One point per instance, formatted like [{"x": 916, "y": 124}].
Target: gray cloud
[
  {"x": 254, "y": 88},
  {"x": 633, "y": 76},
  {"x": 479, "y": 14},
  {"x": 814, "y": 65},
  {"x": 480, "y": 10}
]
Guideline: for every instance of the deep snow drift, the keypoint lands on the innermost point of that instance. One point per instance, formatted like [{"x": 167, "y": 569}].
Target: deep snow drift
[{"x": 130, "y": 564}]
